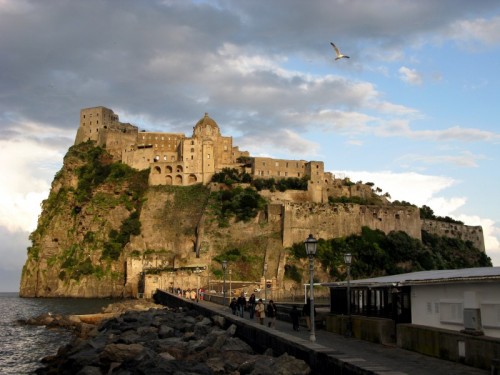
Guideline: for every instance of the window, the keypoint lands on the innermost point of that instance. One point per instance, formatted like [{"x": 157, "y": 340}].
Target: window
[
  {"x": 192, "y": 150},
  {"x": 277, "y": 164},
  {"x": 208, "y": 156},
  {"x": 451, "y": 312},
  {"x": 490, "y": 314}
]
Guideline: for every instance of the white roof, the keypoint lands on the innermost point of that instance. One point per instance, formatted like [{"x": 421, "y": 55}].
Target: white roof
[{"x": 427, "y": 277}]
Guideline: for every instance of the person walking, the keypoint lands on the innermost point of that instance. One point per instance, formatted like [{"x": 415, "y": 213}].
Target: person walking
[
  {"x": 242, "y": 303},
  {"x": 295, "y": 315},
  {"x": 271, "y": 313},
  {"x": 260, "y": 311},
  {"x": 233, "y": 305},
  {"x": 251, "y": 305}
]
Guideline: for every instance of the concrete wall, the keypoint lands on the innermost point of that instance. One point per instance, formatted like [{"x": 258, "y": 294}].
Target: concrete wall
[
  {"x": 381, "y": 331},
  {"x": 476, "y": 351},
  {"x": 443, "y": 306}
]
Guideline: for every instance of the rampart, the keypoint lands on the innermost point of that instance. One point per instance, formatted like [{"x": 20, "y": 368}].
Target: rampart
[
  {"x": 473, "y": 234},
  {"x": 340, "y": 220}
]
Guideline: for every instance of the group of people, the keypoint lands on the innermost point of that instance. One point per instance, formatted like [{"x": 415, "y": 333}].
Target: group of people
[
  {"x": 189, "y": 293},
  {"x": 256, "y": 308}
]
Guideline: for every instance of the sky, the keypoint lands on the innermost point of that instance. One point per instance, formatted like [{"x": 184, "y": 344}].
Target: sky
[{"x": 415, "y": 109}]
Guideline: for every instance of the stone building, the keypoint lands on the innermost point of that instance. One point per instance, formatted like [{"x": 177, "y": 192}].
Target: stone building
[{"x": 176, "y": 159}]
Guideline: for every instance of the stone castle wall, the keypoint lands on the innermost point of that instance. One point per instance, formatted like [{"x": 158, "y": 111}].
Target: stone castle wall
[
  {"x": 341, "y": 220},
  {"x": 454, "y": 230}
]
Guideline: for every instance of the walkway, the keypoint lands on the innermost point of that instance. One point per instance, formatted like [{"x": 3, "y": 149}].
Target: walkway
[{"x": 374, "y": 358}]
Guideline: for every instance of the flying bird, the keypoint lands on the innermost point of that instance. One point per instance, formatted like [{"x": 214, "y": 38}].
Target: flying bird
[{"x": 338, "y": 53}]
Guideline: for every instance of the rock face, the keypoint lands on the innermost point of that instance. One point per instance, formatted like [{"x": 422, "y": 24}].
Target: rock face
[{"x": 164, "y": 341}]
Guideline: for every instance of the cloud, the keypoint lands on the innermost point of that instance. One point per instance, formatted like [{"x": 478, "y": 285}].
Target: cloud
[
  {"x": 410, "y": 76},
  {"x": 30, "y": 164},
  {"x": 486, "y": 31},
  {"x": 466, "y": 159}
]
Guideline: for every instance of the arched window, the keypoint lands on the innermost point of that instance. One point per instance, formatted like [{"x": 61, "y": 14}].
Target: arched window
[
  {"x": 178, "y": 179},
  {"x": 192, "y": 179},
  {"x": 157, "y": 170},
  {"x": 179, "y": 169},
  {"x": 169, "y": 169},
  {"x": 168, "y": 180}
]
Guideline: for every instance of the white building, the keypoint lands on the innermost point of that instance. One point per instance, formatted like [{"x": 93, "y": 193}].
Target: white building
[{"x": 464, "y": 300}]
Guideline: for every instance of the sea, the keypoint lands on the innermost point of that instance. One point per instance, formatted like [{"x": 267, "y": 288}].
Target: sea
[{"x": 23, "y": 346}]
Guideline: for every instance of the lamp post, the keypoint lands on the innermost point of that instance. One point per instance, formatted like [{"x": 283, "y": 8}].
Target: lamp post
[
  {"x": 197, "y": 284},
  {"x": 224, "y": 267},
  {"x": 348, "y": 262},
  {"x": 265, "y": 282},
  {"x": 230, "y": 287},
  {"x": 311, "y": 245}
]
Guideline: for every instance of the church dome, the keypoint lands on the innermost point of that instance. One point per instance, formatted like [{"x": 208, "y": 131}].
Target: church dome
[{"x": 206, "y": 127}]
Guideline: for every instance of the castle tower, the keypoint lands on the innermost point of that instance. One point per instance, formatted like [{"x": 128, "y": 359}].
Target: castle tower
[{"x": 93, "y": 121}]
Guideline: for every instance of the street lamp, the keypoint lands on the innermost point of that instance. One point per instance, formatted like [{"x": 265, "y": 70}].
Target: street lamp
[
  {"x": 311, "y": 245},
  {"x": 197, "y": 284},
  {"x": 265, "y": 282},
  {"x": 230, "y": 288},
  {"x": 348, "y": 262},
  {"x": 224, "y": 267}
]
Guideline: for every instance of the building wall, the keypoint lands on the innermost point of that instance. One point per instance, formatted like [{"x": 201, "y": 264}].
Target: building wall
[{"x": 442, "y": 306}]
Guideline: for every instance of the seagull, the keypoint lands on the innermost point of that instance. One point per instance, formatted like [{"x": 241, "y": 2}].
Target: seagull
[{"x": 338, "y": 53}]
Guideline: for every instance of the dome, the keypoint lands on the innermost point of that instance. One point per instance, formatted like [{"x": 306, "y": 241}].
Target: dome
[{"x": 206, "y": 127}]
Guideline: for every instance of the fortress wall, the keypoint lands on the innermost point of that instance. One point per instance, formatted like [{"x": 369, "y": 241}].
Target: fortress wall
[
  {"x": 288, "y": 195},
  {"x": 392, "y": 218},
  {"x": 454, "y": 230},
  {"x": 322, "y": 220},
  {"x": 340, "y": 220}
]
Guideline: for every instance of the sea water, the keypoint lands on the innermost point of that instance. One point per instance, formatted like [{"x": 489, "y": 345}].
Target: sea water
[{"x": 23, "y": 346}]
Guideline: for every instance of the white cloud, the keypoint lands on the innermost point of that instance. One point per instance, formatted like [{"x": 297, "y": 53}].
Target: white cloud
[
  {"x": 412, "y": 187},
  {"x": 482, "y": 30},
  {"x": 29, "y": 166},
  {"x": 410, "y": 76}
]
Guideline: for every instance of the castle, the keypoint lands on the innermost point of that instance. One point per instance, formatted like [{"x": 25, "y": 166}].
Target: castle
[{"x": 175, "y": 159}]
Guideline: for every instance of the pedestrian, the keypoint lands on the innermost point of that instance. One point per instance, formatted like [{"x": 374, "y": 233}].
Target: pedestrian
[
  {"x": 242, "y": 303},
  {"x": 251, "y": 305},
  {"x": 193, "y": 294},
  {"x": 271, "y": 313},
  {"x": 260, "y": 311},
  {"x": 294, "y": 315},
  {"x": 233, "y": 305}
]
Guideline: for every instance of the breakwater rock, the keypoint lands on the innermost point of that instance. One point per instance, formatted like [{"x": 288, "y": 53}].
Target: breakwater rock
[{"x": 166, "y": 341}]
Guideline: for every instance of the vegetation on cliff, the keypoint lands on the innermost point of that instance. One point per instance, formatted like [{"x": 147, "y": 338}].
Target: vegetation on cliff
[
  {"x": 378, "y": 254},
  {"x": 427, "y": 213},
  {"x": 241, "y": 203},
  {"x": 230, "y": 176},
  {"x": 101, "y": 186}
]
